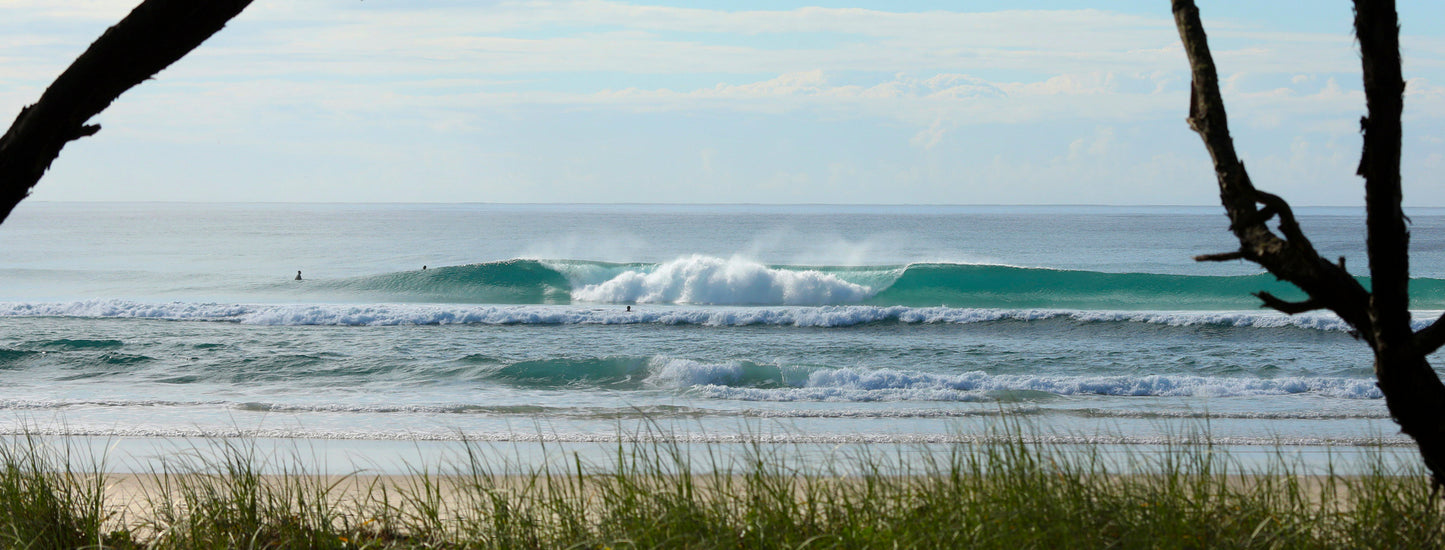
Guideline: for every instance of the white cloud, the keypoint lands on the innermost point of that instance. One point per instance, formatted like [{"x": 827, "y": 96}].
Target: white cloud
[
  {"x": 376, "y": 39},
  {"x": 86, "y": 10},
  {"x": 930, "y": 136},
  {"x": 1098, "y": 145},
  {"x": 403, "y": 81}
]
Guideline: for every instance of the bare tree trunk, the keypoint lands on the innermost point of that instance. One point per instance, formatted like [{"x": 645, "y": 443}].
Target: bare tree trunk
[
  {"x": 1381, "y": 315},
  {"x": 1414, "y": 393},
  {"x": 154, "y": 35},
  {"x": 1416, "y": 400}
]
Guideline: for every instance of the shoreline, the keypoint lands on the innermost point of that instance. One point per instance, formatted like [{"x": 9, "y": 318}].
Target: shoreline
[
  {"x": 1000, "y": 495},
  {"x": 399, "y": 457}
]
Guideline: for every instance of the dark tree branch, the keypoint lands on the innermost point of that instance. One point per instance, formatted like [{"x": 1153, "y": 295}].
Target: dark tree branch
[
  {"x": 1257, "y": 218},
  {"x": 86, "y": 131},
  {"x": 154, "y": 35},
  {"x": 1283, "y": 306},
  {"x": 1291, "y": 258},
  {"x": 1221, "y": 257},
  {"x": 1431, "y": 338},
  {"x": 1413, "y": 392},
  {"x": 1277, "y": 206},
  {"x": 1381, "y": 316},
  {"x": 1388, "y": 239}
]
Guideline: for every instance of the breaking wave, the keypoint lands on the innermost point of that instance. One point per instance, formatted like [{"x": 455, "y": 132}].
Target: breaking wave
[
  {"x": 825, "y": 316},
  {"x": 710, "y": 280},
  {"x": 749, "y": 381}
]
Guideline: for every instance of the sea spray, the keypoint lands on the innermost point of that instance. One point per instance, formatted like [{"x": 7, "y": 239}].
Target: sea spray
[{"x": 701, "y": 279}]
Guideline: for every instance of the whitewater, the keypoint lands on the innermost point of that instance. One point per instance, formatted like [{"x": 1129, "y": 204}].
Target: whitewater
[{"x": 809, "y": 324}]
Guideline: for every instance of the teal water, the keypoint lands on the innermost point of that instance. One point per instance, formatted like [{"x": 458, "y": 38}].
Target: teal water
[
  {"x": 814, "y": 325},
  {"x": 706, "y": 281}
]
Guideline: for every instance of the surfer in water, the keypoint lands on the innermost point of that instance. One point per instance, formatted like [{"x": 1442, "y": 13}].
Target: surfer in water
[
  {"x": 298, "y": 275},
  {"x": 629, "y": 308}
]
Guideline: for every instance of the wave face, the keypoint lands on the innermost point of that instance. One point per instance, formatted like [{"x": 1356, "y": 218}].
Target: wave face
[
  {"x": 709, "y": 280},
  {"x": 506, "y": 282},
  {"x": 1018, "y": 287}
]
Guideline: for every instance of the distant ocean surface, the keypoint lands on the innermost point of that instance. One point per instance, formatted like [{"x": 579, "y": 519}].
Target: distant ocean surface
[{"x": 809, "y": 324}]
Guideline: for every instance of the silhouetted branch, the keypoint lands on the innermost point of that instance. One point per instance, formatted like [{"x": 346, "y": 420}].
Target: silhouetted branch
[
  {"x": 154, "y": 35},
  {"x": 1221, "y": 257},
  {"x": 1283, "y": 306},
  {"x": 1387, "y": 239},
  {"x": 1277, "y": 206},
  {"x": 1291, "y": 258},
  {"x": 1429, "y": 339},
  {"x": 1413, "y": 392}
]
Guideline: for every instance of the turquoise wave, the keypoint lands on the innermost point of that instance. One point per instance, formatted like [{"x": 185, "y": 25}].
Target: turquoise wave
[
  {"x": 1017, "y": 287},
  {"x": 505, "y": 282},
  {"x": 635, "y": 372},
  {"x": 707, "y": 280}
]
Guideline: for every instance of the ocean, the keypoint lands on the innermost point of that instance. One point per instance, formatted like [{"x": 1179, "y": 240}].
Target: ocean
[{"x": 582, "y": 324}]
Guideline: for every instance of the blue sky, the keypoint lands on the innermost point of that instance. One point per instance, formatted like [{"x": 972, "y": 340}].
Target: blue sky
[{"x": 926, "y": 102}]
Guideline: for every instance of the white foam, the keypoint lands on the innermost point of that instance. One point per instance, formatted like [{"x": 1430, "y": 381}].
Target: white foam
[
  {"x": 683, "y": 373},
  {"x": 728, "y": 381},
  {"x": 42, "y": 404},
  {"x": 824, "y": 316},
  {"x": 891, "y": 411},
  {"x": 699, "y": 279},
  {"x": 853, "y": 384},
  {"x": 771, "y": 437},
  {"x": 124, "y": 308}
]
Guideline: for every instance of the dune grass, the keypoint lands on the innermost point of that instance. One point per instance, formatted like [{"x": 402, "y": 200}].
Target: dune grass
[{"x": 1009, "y": 493}]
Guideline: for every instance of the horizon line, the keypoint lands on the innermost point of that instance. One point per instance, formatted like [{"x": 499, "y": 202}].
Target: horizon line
[{"x": 689, "y": 204}]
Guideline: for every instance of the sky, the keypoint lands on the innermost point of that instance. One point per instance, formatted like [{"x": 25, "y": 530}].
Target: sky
[{"x": 742, "y": 101}]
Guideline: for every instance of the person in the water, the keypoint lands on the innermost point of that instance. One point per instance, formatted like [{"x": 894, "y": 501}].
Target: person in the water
[
  {"x": 629, "y": 308},
  {"x": 298, "y": 275}
]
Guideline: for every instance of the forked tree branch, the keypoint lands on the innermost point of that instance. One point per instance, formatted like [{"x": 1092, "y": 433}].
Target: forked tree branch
[
  {"x": 1413, "y": 392},
  {"x": 1292, "y": 257},
  {"x": 154, "y": 35}
]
